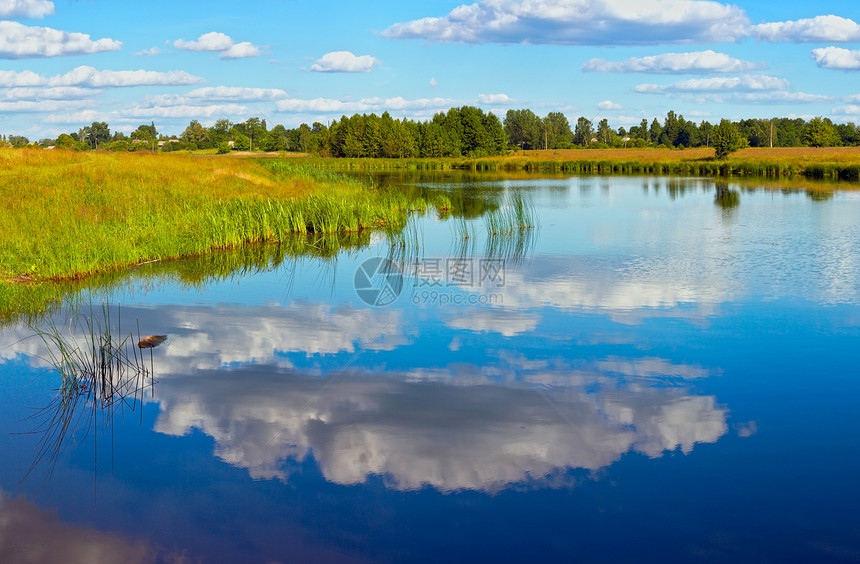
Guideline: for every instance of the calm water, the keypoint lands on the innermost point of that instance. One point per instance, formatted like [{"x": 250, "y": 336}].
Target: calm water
[{"x": 654, "y": 373}]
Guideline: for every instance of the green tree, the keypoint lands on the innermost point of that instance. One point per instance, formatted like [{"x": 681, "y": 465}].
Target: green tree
[
  {"x": 241, "y": 142},
  {"x": 524, "y": 129},
  {"x": 584, "y": 132},
  {"x": 18, "y": 141},
  {"x": 95, "y": 134},
  {"x": 604, "y": 132},
  {"x": 557, "y": 133},
  {"x": 819, "y": 132},
  {"x": 196, "y": 133},
  {"x": 726, "y": 139},
  {"x": 655, "y": 131},
  {"x": 65, "y": 141}
]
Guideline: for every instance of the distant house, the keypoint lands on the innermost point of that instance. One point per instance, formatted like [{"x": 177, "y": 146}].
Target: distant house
[
  {"x": 231, "y": 143},
  {"x": 50, "y": 147}
]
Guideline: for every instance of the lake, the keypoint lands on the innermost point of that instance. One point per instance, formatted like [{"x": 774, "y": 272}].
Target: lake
[{"x": 659, "y": 369}]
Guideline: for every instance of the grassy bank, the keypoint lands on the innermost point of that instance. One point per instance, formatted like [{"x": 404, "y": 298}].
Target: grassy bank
[
  {"x": 69, "y": 215},
  {"x": 834, "y": 163}
]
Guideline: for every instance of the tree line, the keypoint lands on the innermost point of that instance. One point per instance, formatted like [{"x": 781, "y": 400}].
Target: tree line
[{"x": 465, "y": 131}]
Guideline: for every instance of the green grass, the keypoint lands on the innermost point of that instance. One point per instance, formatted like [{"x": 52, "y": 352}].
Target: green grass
[
  {"x": 67, "y": 215},
  {"x": 832, "y": 163}
]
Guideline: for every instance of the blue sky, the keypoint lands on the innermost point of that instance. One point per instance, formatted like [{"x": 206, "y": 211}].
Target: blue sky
[{"x": 67, "y": 63}]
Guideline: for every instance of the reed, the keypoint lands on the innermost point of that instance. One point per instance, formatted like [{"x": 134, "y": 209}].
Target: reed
[
  {"x": 834, "y": 163},
  {"x": 101, "y": 372},
  {"x": 68, "y": 215}
]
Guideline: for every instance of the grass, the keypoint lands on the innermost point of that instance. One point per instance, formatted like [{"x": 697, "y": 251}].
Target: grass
[
  {"x": 834, "y": 163},
  {"x": 66, "y": 215},
  {"x": 32, "y": 301},
  {"x": 102, "y": 371}
]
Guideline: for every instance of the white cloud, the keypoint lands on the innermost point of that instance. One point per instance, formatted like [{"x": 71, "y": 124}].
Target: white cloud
[
  {"x": 59, "y": 93},
  {"x": 326, "y": 105},
  {"x": 849, "y": 110},
  {"x": 216, "y": 41},
  {"x": 207, "y": 95},
  {"x": 780, "y": 97},
  {"x": 817, "y": 29},
  {"x": 483, "y": 437},
  {"x": 674, "y": 63},
  {"x": 23, "y": 78},
  {"x": 608, "y": 105},
  {"x": 144, "y": 112},
  {"x": 18, "y": 41},
  {"x": 581, "y": 22},
  {"x": 237, "y": 93},
  {"x": 433, "y": 82},
  {"x": 241, "y": 51},
  {"x": 26, "y": 8},
  {"x": 43, "y": 105},
  {"x": 749, "y": 89},
  {"x": 148, "y": 52},
  {"x": 181, "y": 111},
  {"x": 212, "y": 41},
  {"x": 89, "y": 76},
  {"x": 837, "y": 58},
  {"x": 344, "y": 61},
  {"x": 495, "y": 99},
  {"x": 747, "y": 83}
]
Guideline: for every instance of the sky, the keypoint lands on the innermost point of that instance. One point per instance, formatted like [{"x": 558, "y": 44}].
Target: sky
[{"x": 67, "y": 63}]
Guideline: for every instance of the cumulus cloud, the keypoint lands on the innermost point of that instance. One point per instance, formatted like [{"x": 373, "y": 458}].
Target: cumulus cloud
[
  {"x": 817, "y": 29},
  {"x": 216, "y": 41},
  {"x": 462, "y": 431},
  {"x": 580, "y": 22},
  {"x": 849, "y": 110},
  {"x": 747, "y": 83},
  {"x": 209, "y": 94},
  {"x": 89, "y": 76},
  {"x": 143, "y": 112},
  {"x": 780, "y": 97},
  {"x": 82, "y": 82},
  {"x": 698, "y": 62},
  {"x": 749, "y": 89},
  {"x": 344, "y": 61},
  {"x": 42, "y": 105},
  {"x": 26, "y": 8},
  {"x": 58, "y": 93},
  {"x": 18, "y": 41},
  {"x": 212, "y": 41},
  {"x": 608, "y": 105},
  {"x": 237, "y": 93},
  {"x": 495, "y": 99},
  {"x": 148, "y": 52},
  {"x": 241, "y": 51},
  {"x": 185, "y": 111},
  {"x": 24, "y": 78},
  {"x": 837, "y": 58},
  {"x": 326, "y": 105}
]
